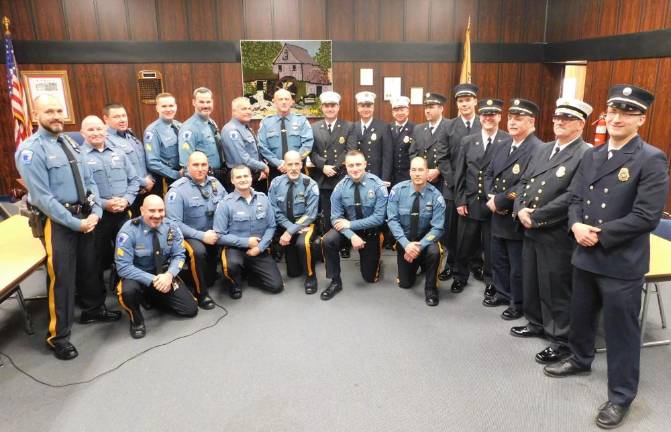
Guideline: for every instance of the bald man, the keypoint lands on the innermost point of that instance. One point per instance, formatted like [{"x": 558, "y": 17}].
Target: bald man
[
  {"x": 64, "y": 213},
  {"x": 149, "y": 256},
  {"x": 118, "y": 185},
  {"x": 282, "y": 132}
]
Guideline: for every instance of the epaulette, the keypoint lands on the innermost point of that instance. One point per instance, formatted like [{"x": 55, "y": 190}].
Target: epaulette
[
  {"x": 180, "y": 181},
  {"x": 136, "y": 221}
]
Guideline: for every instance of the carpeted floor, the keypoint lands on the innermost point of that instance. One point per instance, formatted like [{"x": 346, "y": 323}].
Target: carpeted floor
[{"x": 375, "y": 358}]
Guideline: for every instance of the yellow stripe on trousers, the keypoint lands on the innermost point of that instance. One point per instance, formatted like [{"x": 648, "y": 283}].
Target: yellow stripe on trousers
[
  {"x": 379, "y": 260},
  {"x": 119, "y": 293},
  {"x": 224, "y": 264},
  {"x": 308, "y": 250},
  {"x": 52, "y": 280},
  {"x": 192, "y": 260}
]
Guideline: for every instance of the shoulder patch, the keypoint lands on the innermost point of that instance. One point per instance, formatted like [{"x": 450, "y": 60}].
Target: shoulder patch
[
  {"x": 26, "y": 157},
  {"x": 392, "y": 194},
  {"x": 121, "y": 239},
  {"x": 186, "y": 146},
  {"x": 148, "y": 147},
  {"x": 172, "y": 195},
  {"x": 315, "y": 189},
  {"x": 148, "y": 136}
]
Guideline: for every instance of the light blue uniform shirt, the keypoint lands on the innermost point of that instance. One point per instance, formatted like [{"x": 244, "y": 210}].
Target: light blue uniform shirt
[
  {"x": 373, "y": 202},
  {"x": 299, "y": 137},
  {"x": 236, "y": 220},
  {"x": 431, "y": 213}
]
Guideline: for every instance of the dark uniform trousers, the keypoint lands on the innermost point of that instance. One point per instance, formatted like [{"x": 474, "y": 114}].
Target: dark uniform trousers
[
  {"x": 261, "y": 270},
  {"x": 620, "y": 301},
  {"x": 132, "y": 294},
  {"x": 429, "y": 260},
  {"x": 301, "y": 253},
  {"x": 473, "y": 238},
  {"x": 325, "y": 209},
  {"x": 202, "y": 259},
  {"x": 162, "y": 184},
  {"x": 105, "y": 235},
  {"x": 71, "y": 264},
  {"x": 369, "y": 254},
  {"x": 507, "y": 272},
  {"x": 547, "y": 286}
]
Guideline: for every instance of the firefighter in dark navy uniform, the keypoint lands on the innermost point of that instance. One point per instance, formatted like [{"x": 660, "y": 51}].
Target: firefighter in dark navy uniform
[{"x": 618, "y": 199}]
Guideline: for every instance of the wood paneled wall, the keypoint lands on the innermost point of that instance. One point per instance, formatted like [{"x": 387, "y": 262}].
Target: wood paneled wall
[
  {"x": 584, "y": 19},
  {"x": 92, "y": 85}
]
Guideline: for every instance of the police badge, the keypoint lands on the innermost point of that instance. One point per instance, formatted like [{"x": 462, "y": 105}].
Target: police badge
[
  {"x": 406, "y": 139},
  {"x": 561, "y": 171},
  {"x": 341, "y": 140},
  {"x": 623, "y": 175},
  {"x": 516, "y": 169},
  {"x": 373, "y": 137}
]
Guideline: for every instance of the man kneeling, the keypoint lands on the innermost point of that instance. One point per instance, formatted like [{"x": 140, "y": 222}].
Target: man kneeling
[{"x": 149, "y": 255}]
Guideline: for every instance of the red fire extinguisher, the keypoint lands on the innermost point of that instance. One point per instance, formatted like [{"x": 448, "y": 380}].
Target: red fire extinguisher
[{"x": 601, "y": 133}]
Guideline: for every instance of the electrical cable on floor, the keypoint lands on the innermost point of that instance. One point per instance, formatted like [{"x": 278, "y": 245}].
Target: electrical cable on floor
[{"x": 108, "y": 371}]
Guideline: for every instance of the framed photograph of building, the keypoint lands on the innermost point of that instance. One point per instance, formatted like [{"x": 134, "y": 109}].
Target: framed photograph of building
[
  {"x": 303, "y": 67},
  {"x": 51, "y": 82}
]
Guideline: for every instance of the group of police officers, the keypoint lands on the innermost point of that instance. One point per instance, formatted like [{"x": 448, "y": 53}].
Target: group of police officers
[{"x": 555, "y": 230}]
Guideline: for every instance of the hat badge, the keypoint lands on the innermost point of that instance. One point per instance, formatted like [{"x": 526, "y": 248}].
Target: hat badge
[
  {"x": 516, "y": 102},
  {"x": 428, "y": 94},
  {"x": 490, "y": 102},
  {"x": 626, "y": 91}
]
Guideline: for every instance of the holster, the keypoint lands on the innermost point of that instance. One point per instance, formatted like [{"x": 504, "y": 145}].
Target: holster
[{"x": 36, "y": 221}]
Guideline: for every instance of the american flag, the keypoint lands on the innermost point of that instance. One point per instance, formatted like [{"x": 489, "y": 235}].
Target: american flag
[{"x": 17, "y": 96}]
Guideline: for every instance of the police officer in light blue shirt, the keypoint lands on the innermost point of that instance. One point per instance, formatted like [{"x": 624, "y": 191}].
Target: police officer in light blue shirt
[
  {"x": 201, "y": 133},
  {"x": 149, "y": 256},
  {"x": 62, "y": 191},
  {"x": 160, "y": 143},
  {"x": 117, "y": 186},
  {"x": 124, "y": 139},
  {"x": 282, "y": 132},
  {"x": 295, "y": 199},
  {"x": 358, "y": 207},
  {"x": 240, "y": 144},
  {"x": 415, "y": 216},
  {"x": 245, "y": 223},
  {"x": 191, "y": 203}
]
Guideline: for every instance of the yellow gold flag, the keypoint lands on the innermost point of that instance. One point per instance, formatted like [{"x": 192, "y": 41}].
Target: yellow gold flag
[{"x": 465, "y": 76}]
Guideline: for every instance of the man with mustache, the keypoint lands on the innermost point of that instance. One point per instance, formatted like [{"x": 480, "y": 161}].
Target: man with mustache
[
  {"x": 63, "y": 192},
  {"x": 200, "y": 133},
  {"x": 149, "y": 256}
]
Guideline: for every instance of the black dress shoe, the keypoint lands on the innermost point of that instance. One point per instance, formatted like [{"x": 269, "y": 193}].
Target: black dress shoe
[
  {"x": 99, "y": 315},
  {"x": 345, "y": 253},
  {"x": 432, "y": 300},
  {"x": 137, "y": 331},
  {"x": 565, "y": 368},
  {"x": 445, "y": 274},
  {"x": 512, "y": 313},
  {"x": 311, "y": 285},
  {"x": 494, "y": 301},
  {"x": 235, "y": 292},
  {"x": 65, "y": 351},
  {"x": 457, "y": 286},
  {"x": 334, "y": 288},
  {"x": 610, "y": 415},
  {"x": 490, "y": 290},
  {"x": 550, "y": 355},
  {"x": 527, "y": 331},
  {"x": 206, "y": 302},
  {"x": 478, "y": 273}
]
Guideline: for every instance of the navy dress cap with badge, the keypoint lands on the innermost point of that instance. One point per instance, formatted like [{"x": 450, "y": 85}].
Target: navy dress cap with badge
[
  {"x": 490, "y": 106},
  {"x": 523, "y": 107},
  {"x": 466, "y": 89},
  {"x": 630, "y": 98},
  {"x": 434, "y": 99}
]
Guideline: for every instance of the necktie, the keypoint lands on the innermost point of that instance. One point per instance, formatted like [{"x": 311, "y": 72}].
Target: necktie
[
  {"x": 414, "y": 218},
  {"x": 157, "y": 252},
  {"x": 489, "y": 142},
  {"x": 611, "y": 153},
  {"x": 358, "y": 209},
  {"x": 79, "y": 184},
  {"x": 468, "y": 127},
  {"x": 431, "y": 129},
  {"x": 283, "y": 131},
  {"x": 330, "y": 127},
  {"x": 364, "y": 130},
  {"x": 217, "y": 141},
  {"x": 175, "y": 129},
  {"x": 290, "y": 201},
  {"x": 512, "y": 149},
  {"x": 554, "y": 152}
]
